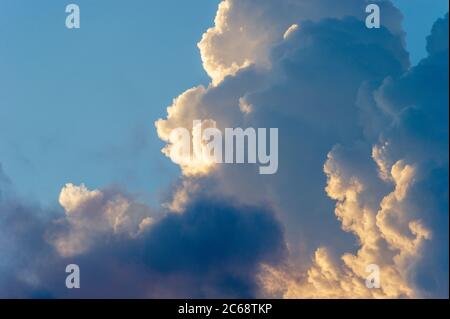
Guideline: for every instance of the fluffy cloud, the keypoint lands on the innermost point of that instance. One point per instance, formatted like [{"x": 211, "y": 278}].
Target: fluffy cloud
[
  {"x": 245, "y": 31},
  {"x": 247, "y": 43},
  {"x": 398, "y": 228},
  {"x": 331, "y": 81},
  {"x": 93, "y": 215},
  {"x": 361, "y": 134},
  {"x": 124, "y": 249},
  {"x": 387, "y": 235}
]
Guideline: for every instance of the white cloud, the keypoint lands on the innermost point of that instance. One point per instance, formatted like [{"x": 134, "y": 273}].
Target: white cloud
[
  {"x": 92, "y": 215},
  {"x": 73, "y": 197},
  {"x": 331, "y": 82},
  {"x": 388, "y": 237},
  {"x": 245, "y": 31}
]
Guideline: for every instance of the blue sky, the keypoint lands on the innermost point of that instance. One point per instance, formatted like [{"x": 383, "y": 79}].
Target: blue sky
[
  {"x": 419, "y": 16},
  {"x": 79, "y": 106}
]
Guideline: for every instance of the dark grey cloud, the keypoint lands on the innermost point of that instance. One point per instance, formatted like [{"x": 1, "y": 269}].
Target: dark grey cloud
[{"x": 213, "y": 249}]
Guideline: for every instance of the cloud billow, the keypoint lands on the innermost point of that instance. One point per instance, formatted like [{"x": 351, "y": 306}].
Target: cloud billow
[
  {"x": 363, "y": 174},
  {"x": 343, "y": 96},
  {"x": 211, "y": 249}
]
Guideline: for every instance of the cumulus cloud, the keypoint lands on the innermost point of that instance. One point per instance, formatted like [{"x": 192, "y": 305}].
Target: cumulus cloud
[
  {"x": 362, "y": 179},
  {"x": 387, "y": 235},
  {"x": 335, "y": 56},
  {"x": 245, "y": 31},
  {"x": 331, "y": 81},
  {"x": 397, "y": 229},
  {"x": 242, "y": 44},
  {"x": 93, "y": 215},
  {"x": 124, "y": 249}
]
